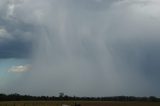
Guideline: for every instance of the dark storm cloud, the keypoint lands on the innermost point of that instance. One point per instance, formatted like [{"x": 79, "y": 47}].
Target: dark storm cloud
[
  {"x": 87, "y": 47},
  {"x": 15, "y": 49},
  {"x": 140, "y": 56},
  {"x": 15, "y": 36},
  {"x": 143, "y": 55},
  {"x": 18, "y": 44}
]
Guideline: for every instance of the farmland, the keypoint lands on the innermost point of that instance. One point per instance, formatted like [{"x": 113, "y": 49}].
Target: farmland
[{"x": 82, "y": 103}]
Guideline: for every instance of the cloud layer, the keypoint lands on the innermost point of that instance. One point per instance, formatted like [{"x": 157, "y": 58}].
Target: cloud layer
[
  {"x": 15, "y": 35},
  {"x": 85, "y": 47}
]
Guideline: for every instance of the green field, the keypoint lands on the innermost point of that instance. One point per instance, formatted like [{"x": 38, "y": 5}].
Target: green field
[{"x": 82, "y": 103}]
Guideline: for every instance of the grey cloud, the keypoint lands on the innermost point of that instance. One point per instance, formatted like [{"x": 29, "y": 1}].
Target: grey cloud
[
  {"x": 92, "y": 48},
  {"x": 19, "y": 42},
  {"x": 15, "y": 49},
  {"x": 93, "y": 5}
]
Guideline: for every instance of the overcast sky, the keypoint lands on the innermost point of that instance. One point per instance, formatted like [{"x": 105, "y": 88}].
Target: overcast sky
[{"x": 80, "y": 47}]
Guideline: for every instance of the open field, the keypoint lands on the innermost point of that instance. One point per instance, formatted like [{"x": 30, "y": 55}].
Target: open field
[{"x": 82, "y": 103}]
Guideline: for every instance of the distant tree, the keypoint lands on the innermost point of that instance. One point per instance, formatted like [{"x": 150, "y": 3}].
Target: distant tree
[
  {"x": 153, "y": 99},
  {"x": 61, "y": 94}
]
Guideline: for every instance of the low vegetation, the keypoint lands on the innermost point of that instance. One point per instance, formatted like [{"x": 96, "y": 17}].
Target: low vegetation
[
  {"x": 63, "y": 97},
  {"x": 64, "y": 100},
  {"x": 81, "y": 103}
]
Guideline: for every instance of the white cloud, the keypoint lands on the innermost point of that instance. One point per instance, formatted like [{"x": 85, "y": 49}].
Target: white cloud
[
  {"x": 19, "y": 69},
  {"x": 4, "y": 33},
  {"x": 12, "y": 5}
]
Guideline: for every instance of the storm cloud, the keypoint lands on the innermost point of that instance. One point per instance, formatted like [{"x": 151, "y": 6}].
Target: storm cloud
[
  {"x": 84, "y": 47},
  {"x": 15, "y": 35}
]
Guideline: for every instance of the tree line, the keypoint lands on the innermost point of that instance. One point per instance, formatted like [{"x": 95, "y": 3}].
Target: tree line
[{"x": 62, "y": 97}]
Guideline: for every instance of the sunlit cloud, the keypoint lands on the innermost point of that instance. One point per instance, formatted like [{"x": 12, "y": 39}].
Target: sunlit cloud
[{"x": 20, "y": 68}]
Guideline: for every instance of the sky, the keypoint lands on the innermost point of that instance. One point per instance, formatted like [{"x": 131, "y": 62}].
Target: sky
[{"x": 80, "y": 47}]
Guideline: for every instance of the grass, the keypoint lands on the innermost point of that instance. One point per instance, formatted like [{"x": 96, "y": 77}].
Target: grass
[{"x": 83, "y": 103}]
